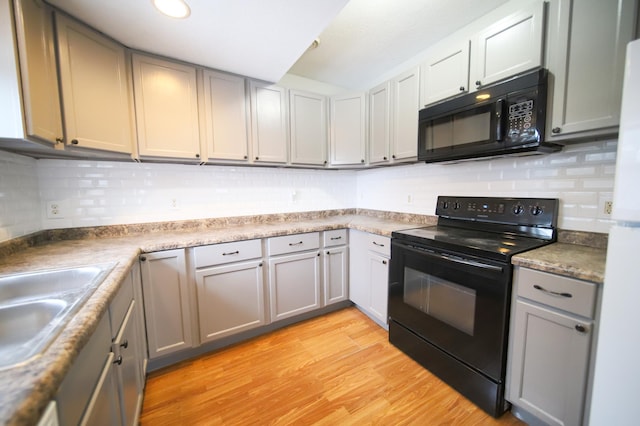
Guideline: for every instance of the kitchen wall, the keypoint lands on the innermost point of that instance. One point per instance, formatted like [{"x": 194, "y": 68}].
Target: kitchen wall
[
  {"x": 19, "y": 197},
  {"x": 581, "y": 176},
  {"x": 93, "y": 193}
]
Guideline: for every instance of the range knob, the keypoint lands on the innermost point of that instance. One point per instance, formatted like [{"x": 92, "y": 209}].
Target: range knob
[
  {"x": 456, "y": 205},
  {"x": 445, "y": 205},
  {"x": 536, "y": 210},
  {"x": 517, "y": 209}
]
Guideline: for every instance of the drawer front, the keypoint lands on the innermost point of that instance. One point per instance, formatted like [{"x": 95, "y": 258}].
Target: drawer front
[
  {"x": 217, "y": 254},
  {"x": 568, "y": 294},
  {"x": 380, "y": 245},
  {"x": 293, "y": 243},
  {"x": 337, "y": 237}
]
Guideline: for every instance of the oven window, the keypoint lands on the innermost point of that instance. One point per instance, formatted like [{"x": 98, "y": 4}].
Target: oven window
[
  {"x": 460, "y": 129},
  {"x": 444, "y": 300}
]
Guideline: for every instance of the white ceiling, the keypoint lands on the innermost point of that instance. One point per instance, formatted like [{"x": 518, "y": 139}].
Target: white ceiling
[{"x": 265, "y": 39}]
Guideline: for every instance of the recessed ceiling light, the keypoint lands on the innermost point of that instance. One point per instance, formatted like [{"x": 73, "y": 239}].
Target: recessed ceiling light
[{"x": 173, "y": 8}]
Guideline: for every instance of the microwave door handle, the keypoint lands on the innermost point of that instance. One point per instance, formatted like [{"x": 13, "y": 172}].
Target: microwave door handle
[{"x": 500, "y": 118}]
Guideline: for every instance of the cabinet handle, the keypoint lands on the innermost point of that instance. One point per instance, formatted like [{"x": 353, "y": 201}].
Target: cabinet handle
[
  {"x": 581, "y": 328},
  {"x": 377, "y": 244},
  {"x": 118, "y": 360},
  {"x": 143, "y": 258},
  {"x": 125, "y": 344},
  {"x": 553, "y": 293},
  {"x": 478, "y": 82},
  {"x": 74, "y": 141},
  {"x": 295, "y": 244},
  {"x": 556, "y": 130},
  {"x": 336, "y": 238},
  {"x": 462, "y": 88},
  {"x": 384, "y": 262},
  {"x": 231, "y": 253},
  {"x": 59, "y": 140}
]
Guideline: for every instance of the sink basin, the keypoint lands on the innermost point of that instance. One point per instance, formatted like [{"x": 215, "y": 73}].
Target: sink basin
[
  {"x": 35, "y": 306},
  {"x": 25, "y": 328},
  {"x": 49, "y": 283}
]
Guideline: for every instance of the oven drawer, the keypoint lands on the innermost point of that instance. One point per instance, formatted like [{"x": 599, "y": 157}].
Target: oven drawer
[
  {"x": 293, "y": 243},
  {"x": 379, "y": 244},
  {"x": 336, "y": 237},
  {"x": 571, "y": 295},
  {"x": 218, "y": 254}
]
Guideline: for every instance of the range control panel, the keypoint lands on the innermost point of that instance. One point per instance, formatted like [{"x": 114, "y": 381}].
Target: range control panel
[{"x": 513, "y": 211}]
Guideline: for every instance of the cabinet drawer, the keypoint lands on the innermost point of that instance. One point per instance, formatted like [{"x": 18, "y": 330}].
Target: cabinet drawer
[
  {"x": 379, "y": 244},
  {"x": 337, "y": 237},
  {"x": 568, "y": 294},
  {"x": 120, "y": 304},
  {"x": 218, "y": 254},
  {"x": 293, "y": 243}
]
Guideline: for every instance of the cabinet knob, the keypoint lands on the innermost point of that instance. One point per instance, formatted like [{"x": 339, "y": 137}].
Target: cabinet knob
[
  {"x": 257, "y": 158},
  {"x": 384, "y": 262},
  {"x": 197, "y": 155},
  {"x": 556, "y": 130},
  {"x": 325, "y": 161},
  {"x": 328, "y": 252},
  {"x": 478, "y": 82},
  {"x": 384, "y": 158},
  {"x": 125, "y": 344},
  {"x": 143, "y": 258},
  {"x": 581, "y": 328},
  {"x": 362, "y": 161},
  {"x": 393, "y": 156},
  {"x": 462, "y": 88},
  {"x": 118, "y": 360},
  {"x": 245, "y": 157},
  {"x": 260, "y": 265},
  {"x": 74, "y": 141},
  {"x": 59, "y": 140}
]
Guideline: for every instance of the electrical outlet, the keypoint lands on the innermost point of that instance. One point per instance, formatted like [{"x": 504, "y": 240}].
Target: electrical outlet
[
  {"x": 608, "y": 207},
  {"x": 174, "y": 203},
  {"x": 54, "y": 210},
  {"x": 409, "y": 199}
]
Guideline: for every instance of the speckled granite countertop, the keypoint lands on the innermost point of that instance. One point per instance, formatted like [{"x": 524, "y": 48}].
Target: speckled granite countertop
[
  {"x": 575, "y": 261},
  {"x": 26, "y": 389}
]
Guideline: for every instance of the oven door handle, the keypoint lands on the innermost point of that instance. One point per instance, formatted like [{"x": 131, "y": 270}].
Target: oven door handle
[{"x": 459, "y": 260}]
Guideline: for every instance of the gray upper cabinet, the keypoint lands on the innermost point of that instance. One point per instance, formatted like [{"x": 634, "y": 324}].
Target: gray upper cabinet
[
  {"x": 38, "y": 72},
  {"x": 269, "y": 126},
  {"x": 225, "y": 110},
  {"x": 308, "y": 121},
  {"x": 96, "y": 89},
  {"x": 379, "y": 123},
  {"x": 446, "y": 72},
  {"x": 405, "y": 91},
  {"x": 348, "y": 130},
  {"x": 586, "y": 52}
]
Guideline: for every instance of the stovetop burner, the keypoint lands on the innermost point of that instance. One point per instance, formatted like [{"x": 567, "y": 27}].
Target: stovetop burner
[{"x": 488, "y": 227}]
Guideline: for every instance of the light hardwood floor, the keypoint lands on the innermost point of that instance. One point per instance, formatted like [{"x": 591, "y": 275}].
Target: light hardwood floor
[{"x": 338, "y": 369}]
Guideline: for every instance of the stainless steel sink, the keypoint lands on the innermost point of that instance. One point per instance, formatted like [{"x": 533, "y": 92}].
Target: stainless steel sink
[
  {"x": 25, "y": 328},
  {"x": 35, "y": 306},
  {"x": 47, "y": 283}
]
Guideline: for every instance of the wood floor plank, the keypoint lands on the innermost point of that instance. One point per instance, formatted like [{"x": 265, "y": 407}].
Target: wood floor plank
[{"x": 338, "y": 369}]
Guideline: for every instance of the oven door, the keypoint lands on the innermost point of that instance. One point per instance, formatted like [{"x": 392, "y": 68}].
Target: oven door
[{"x": 457, "y": 303}]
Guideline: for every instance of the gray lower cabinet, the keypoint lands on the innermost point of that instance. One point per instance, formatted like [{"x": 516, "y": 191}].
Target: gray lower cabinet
[
  {"x": 294, "y": 274},
  {"x": 550, "y": 347},
  {"x": 166, "y": 302},
  {"x": 230, "y": 287},
  {"x": 335, "y": 268}
]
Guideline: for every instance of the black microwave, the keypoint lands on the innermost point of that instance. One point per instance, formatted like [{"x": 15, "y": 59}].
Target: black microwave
[{"x": 504, "y": 118}]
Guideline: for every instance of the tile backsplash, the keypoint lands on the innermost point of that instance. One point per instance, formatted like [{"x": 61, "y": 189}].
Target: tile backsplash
[
  {"x": 92, "y": 193},
  {"x": 581, "y": 176}
]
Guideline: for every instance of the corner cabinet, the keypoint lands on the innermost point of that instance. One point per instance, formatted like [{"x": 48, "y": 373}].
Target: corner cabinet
[
  {"x": 379, "y": 123},
  {"x": 96, "y": 89},
  {"x": 269, "y": 125},
  {"x": 166, "y": 100},
  {"x": 550, "y": 346},
  {"x": 405, "y": 90},
  {"x": 348, "y": 130},
  {"x": 308, "y": 123},
  {"x": 225, "y": 110},
  {"x": 586, "y": 54},
  {"x": 167, "y": 302},
  {"x": 335, "y": 266}
]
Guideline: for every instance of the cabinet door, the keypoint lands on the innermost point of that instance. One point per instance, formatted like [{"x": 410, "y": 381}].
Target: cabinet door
[
  {"x": 143, "y": 354},
  {"x": 225, "y": 116},
  {"x": 336, "y": 274},
  {"x": 446, "y": 73},
  {"x": 510, "y": 46},
  {"x": 41, "y": 99},
  {"x": 406, "y": 103},
  {"x": 379, "y": 123},
  {"x": 587, "y": 64},
  {"x": 359, "y": 287},
  {"x": 268, "y": 123},
  {"x": 308, "y": 113},
  {"x": 166, "y": 302},
  {"x": 166, "y": 100},
  {"x": 104, "y": 406},
  {"x": 348, "y": 136},
  {"x": 96, "y": 91},
  {"x": 294, "y": 284},
  {"x": 230, "y": 299},
  {"x": 378, "y": 274},
  {"x": 549, "y": 363},
  {"x": 125, "y": 347}
]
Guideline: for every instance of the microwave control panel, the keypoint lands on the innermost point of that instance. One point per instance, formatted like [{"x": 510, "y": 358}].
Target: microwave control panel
[{"x": 521, "y": 116}]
